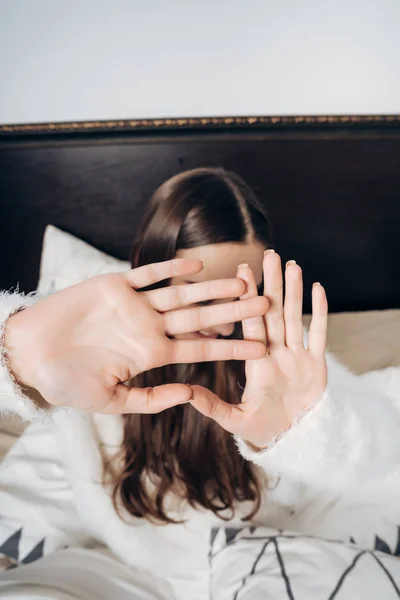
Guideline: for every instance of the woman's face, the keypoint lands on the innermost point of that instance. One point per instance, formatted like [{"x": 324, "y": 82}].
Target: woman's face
[{"x": 221, "y": 262}]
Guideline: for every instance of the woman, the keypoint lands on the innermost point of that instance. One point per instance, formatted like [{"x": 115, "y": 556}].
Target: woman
[{"x": 150, "y": 487}]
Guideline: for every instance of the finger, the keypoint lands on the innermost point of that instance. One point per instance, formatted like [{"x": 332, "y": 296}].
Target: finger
[
  {"x": 175, "y": 296},
  {"x": 253, "y": 328},
  {"x": 229, "y": 416},
  {"x": 149, "y": 400},
  {"x": 319, "y": 321},
  {"x": 273, "y": 291},
  {"x": 205, "y": 350},
  {"x": 199, "y": 318},
  {"x": 293, "y": 307},
  {"x": 150, "y": 274}
]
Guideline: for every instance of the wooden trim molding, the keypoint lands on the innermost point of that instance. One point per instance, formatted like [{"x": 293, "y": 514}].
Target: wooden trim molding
[{"x": 199, "y": 123}]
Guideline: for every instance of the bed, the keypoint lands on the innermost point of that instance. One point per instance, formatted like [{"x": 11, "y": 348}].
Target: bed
[{"x": 331, "y": 186}]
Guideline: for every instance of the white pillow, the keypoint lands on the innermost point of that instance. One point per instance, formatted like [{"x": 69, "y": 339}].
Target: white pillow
[{"x": 67, "y": 260}]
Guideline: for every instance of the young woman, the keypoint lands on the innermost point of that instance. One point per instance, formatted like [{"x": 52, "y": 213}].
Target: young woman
[{"x": 150, "y": 487}]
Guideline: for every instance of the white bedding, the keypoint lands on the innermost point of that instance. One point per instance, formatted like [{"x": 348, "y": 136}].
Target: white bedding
[
  {"x": 261, "y": 564},
  {"x": 81, "y": 574},
  {"x": 252, "y": 563}
]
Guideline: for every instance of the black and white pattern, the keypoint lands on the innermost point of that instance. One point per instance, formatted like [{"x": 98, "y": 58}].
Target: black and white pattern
[
  {"x": 20, "y": 549},
  {"x": 263, "y": 564}
]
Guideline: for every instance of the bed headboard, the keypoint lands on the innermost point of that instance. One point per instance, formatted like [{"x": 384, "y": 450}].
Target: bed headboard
[{"x": 331, "y": 186}]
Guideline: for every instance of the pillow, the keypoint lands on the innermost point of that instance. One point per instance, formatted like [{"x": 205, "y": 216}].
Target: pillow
[
  {"x": 67, "y": 260},
  {"x": 265, "y": 563}
]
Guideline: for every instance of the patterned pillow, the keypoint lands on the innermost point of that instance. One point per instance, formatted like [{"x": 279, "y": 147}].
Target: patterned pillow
[
  {"x": 259, "y": 563},
  {"x": 67, "y": 260}
]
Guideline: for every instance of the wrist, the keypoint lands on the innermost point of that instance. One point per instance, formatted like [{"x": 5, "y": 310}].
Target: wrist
[
  {"x": 260, "y": 445},
  {"x": 15, "y": 345},
  {"x": 255, "y": 448}
]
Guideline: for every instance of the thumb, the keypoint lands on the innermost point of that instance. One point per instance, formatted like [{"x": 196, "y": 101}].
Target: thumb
[
  {"x": 149, "y": 400},
  {"x": 229, "y": 416}
]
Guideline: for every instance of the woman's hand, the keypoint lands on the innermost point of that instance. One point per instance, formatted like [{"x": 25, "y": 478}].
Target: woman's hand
[
  {"x": 79, "y": 346},
  {"x": 289, "y": 378}
]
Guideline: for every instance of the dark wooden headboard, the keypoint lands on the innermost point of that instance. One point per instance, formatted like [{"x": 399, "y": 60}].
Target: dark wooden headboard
[{"x": 331, "y": 186}]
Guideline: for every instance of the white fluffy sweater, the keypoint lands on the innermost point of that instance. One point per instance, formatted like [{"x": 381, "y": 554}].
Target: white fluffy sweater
[{"x": 335, "y": 474}]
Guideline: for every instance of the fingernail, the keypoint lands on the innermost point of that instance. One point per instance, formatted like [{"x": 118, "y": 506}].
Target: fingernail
[
  {"x": 270, "y": 250},
  {"x": 290, "y": 263},
  {"x": 316, "y": 283},
  {"x": 243, "y": 266}
]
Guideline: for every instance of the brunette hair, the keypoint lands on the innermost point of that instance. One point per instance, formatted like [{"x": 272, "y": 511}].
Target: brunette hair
[{"x": 180, "y": 451}]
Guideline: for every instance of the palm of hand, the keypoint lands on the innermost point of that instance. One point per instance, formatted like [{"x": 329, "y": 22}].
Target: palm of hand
[
  {"x": 83, "y": 365},
  {"x": 278, "y": 389}
]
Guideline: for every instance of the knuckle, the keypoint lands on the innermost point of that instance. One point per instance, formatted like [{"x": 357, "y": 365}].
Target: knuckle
[
  {"x": 276, "y": 290},
  {"x": 252, "y": 326},
  {"x": 237, "y": 350},
  {"x": 275, "y": 315},
  {"x": 260, "y": 305},
  {"x": 149, "y": 399},
  {"x": 152, "y": 272},
  {"x": 201, "y": 317},
  {"x": 290, "y": 319},
  {"x": 240, "y": 309},
  {"x": 211, "y": 290},
  {"x": 203, "y": 354},
  {"x": 169, "y": 322},
  {"x": 179, "y": 295},
  {"x": 174, "y": 267}
]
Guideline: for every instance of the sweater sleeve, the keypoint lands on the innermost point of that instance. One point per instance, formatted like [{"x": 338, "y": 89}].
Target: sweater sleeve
[
  {"x": 351, "y": 434},
  {"x": 37, "y": 507},
  {"x": 12, "y": 398}
]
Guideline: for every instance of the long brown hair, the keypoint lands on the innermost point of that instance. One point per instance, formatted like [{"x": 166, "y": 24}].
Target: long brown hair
[{"x": 179, "y": 450}]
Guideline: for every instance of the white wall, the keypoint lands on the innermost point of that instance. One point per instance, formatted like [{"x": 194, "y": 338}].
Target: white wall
[{"x": 105, "y": 59}]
